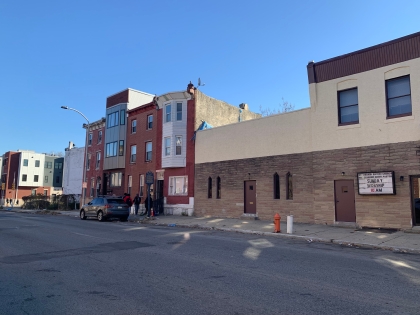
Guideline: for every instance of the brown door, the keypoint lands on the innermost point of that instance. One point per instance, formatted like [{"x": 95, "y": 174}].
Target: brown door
[
  {"x": 415, "y": 198},
  {"x": 345, "y": 210},
  {"x": 250, "y": 196}
]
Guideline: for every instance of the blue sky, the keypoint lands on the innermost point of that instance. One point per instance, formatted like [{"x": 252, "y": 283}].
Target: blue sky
[{"x": 77, "y": 53}]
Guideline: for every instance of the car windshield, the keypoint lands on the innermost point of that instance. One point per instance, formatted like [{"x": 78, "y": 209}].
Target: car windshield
[{"x": 116, "y": 201}]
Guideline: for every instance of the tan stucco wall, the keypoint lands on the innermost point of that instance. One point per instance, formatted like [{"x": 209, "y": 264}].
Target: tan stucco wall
[
  {"x": 273, "y": 135},
  {"x": 218, "y": 113},
  {"x": 373, "y": 127},
  {"x": 316, "y": 128}
]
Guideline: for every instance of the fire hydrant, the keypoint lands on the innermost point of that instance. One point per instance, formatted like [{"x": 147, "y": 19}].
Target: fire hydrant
[{"x": 277, "y": 223}]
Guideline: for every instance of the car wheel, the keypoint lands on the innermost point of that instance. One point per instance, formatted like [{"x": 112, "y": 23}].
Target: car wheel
[
  {"x": 101, "y": 216},
  {"x": 124, "y": 219},
  {"x": 82, "y": 215}
]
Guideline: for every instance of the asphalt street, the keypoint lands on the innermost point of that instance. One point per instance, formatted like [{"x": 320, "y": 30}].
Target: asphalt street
[{"x": 63, "y": 265}]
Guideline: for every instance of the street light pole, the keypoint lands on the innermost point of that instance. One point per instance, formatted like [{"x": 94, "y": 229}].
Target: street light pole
[{"x": 86, "y": 152}]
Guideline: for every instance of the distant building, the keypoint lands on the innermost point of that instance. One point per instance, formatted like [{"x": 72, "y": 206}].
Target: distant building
[
  {"x": 73, "y": 170},
  {"x": 27, "y": 173}
]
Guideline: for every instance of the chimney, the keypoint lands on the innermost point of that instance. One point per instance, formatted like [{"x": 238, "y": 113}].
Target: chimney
[
  {"x": 243, "y": 106},
  {"x": 190, "y": 88},
  {"x": 71, "y": 145}
]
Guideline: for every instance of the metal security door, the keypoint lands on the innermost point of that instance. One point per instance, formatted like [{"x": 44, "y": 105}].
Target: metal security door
[
  {"x": 415, "y": 198},
  {"x": 250, "y": 196},
  {"x": 345, "y": 210}
]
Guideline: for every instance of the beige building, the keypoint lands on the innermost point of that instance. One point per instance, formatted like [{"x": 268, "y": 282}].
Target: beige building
[{"x": 351, "y": 158}]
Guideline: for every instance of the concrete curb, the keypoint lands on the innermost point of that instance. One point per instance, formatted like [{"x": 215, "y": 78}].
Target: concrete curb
[{"x": 297, "y": 237}]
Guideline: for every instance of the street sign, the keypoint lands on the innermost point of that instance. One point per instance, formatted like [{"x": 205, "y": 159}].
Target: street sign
[{"x": 150, "y": 178}]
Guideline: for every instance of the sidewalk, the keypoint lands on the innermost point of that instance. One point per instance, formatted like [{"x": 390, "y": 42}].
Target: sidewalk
[{"x": 370, "y": 238}]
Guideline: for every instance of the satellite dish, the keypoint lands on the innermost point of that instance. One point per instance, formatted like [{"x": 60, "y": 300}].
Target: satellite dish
[{"x": 199, "y": 83}]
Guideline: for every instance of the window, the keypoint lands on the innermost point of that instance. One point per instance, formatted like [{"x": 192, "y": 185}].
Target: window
[
  {"x": 25, "y": 162},
  {"x": 130, "y": 183},
  {"x": 99, "y": 136},
  {"x": 178, "y": 145},
  {"x": 148, "y": 151},
  {"x": 90, "y": 136},
  {"x": 92, "y": 187},
  {"x": 121, "y": 148},
  {"x": 141, "y": 185},
  {"x": 33, "y": 192},
  {"x": 111, "y": 149},
  {"x": 289, "y": 186},
  {"x": 150, "y": 122},
  {"x": 115, "y": 179},
  {"x": 48, "y": 164},
  {"x": 24, "y": 177},
  {"x": 58, "y": 166},
  {"x": 98, "y": 160},
  {"x": 133, "y": 154},
  {"x": 167, "y": 146},
  {"x": 178, "y": 185},
  {"x": 45, "y": 192},
  {"x": 209, "y": 188},
  {"x": 46, "y": 178},
  {"x": 57, "y": 179},
  {"x": 112, "y": 120},
  {"x": 122, "y": 117},
  {"x": 36, "y": 178},
  {"x": 218, "y": 188},
  {"x": 133, "y": 126},
  {"x": 398, "y": 97},
  {"x": 348, "y": 107},
  {"x": 276, "y": 186},
  {"x": 178, "y": 111},
  {"x": 37, "y": 163},
  {"x": 168, "y": 113},
  {"x": 88, "y": 162}
]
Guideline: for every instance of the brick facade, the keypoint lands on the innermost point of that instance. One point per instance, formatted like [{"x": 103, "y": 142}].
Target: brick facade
[{"x": 313, "y": 174}]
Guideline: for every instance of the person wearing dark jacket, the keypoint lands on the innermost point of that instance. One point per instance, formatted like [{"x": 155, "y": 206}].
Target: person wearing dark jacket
[
  {"x": 136, "y": 201},
  {"x": 146, "y": 205}
]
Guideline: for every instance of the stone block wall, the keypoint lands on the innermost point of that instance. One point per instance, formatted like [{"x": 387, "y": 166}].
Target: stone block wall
[{"x": 313, "y": 174}]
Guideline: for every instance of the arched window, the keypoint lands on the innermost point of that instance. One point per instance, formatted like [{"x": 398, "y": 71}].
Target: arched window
[
  {"x": 219, "y": 192},
  {"x": 289, "y": 186},
  {"x": 276, "y": 186},
  {"x": 209, "y": 188}
]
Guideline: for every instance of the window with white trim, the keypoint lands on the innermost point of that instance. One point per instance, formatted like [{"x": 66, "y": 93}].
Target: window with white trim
[
  {"x": 178, "y": 145},
  {"x": 130, "y": 184},
  {"x": 133, "y": 126},
  {"x": 168, "y": 113},
  {"x": 98, "y": 159},
  {"x": 178, "y": 185},
  {"x": 150, "y": 122},
  {"x": 115, "y": 179},
  {"x": 133, "y": 154},
  {"x": 141, "y": 185},
  {"x": 90, "y": 137},
  {"x": 99, "y": 136},
  {"x": 148, "y": 151},
  {"x": 167, "y": 146},
  {"x": 178, "y": 111}
]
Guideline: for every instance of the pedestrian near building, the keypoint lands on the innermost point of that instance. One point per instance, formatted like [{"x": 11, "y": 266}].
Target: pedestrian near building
[
  {"x": 136, "y": 201},
  {"x": 148, "y": 204}
]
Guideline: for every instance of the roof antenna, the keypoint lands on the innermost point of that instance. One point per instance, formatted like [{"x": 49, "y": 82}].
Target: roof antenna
[{"x": 199, "y": 83}]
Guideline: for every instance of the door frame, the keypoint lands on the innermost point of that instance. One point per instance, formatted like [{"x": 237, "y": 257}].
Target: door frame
[
  {"x": 245, "y": 198},
  {"x": 413, "y": 206}
]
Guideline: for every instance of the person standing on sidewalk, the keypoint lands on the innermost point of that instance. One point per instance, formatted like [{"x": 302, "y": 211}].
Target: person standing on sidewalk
[
  {"x": 146, "y": 205},
  {"x": 136, "y": 201}
]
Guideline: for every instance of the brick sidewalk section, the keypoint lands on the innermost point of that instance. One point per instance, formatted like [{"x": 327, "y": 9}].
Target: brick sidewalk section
[{"x": 399, "y": 241}]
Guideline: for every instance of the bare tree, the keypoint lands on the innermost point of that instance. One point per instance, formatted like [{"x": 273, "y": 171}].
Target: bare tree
[{"x": 284, "y": 107}]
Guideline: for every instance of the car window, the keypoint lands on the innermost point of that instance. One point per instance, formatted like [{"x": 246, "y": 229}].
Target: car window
[
  {"x": 116, "y": 201},
  {"x": 94, "y": 201}
]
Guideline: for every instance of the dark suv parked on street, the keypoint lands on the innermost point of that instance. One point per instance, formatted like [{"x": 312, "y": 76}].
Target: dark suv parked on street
[{"x": 105, "y": 208}]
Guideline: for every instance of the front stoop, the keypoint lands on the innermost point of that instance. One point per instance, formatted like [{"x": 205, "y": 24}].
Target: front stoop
[{"x": 249, "y": 216}]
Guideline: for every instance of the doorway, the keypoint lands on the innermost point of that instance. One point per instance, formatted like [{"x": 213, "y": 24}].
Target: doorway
[
  {"x": 415, "y": 198},
  {"x": 250, "y": 196},
  {"x": 345, "y": 209}
]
